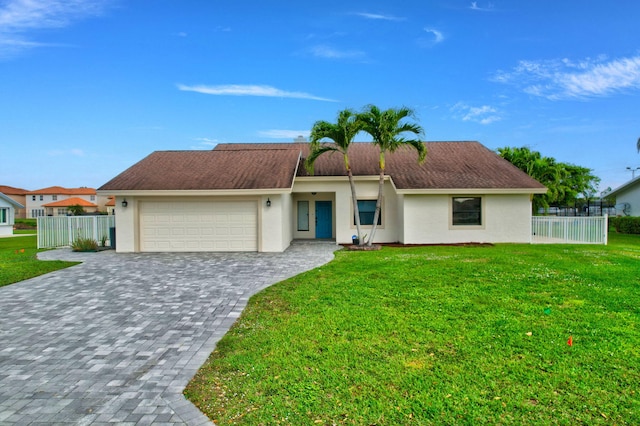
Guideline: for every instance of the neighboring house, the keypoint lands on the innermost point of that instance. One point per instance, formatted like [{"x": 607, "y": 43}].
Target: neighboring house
[
  {"x": 61, "y": 208},
  {"x": 110, "y": 205},
  {"x": 627, "y": 198},
  {"x": 8, "y": 207},
  {"x": 18, "y": 195},
  {"x": 54, "y": 201},
  {"x": 259, "y": 197}
]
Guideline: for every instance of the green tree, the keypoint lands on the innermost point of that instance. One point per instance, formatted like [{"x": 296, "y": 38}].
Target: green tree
[
  {"x": 341, "y": 134},
  {"x": 76, "y": 210},
  {"x": 386, "y": 129},
  {"x": 565, "y": 182}
]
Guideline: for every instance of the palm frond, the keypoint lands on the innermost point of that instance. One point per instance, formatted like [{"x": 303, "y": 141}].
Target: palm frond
[{"x": 314, "y": 154}]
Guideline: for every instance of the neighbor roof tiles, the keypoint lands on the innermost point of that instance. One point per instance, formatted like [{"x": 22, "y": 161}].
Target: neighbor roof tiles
[{"x": 73, "y": 201}]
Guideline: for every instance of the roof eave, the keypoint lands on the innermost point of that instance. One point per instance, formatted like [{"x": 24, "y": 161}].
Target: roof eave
[
  {"x": 623, "y": 187},
  {"x": 471, "y": 191},
  {"x": 192, "y": 192},
  {"x": 11, "y": 201}
]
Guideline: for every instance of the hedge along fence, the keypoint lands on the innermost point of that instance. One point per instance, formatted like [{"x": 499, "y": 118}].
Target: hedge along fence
[{"x": 625, "y": 224}]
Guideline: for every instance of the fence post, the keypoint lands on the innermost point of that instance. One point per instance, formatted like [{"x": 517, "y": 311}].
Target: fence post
[{"x": 95, "y": 227}]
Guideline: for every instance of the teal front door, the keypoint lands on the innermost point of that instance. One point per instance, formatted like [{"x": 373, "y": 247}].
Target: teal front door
[{"x": 324, "y": 224}]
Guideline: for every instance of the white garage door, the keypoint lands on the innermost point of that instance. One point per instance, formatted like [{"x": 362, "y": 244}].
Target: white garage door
[{"x": 198, "y": 226}]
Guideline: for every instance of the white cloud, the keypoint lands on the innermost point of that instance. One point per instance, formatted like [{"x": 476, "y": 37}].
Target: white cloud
[
  {"x": 250, "y": 90},
  {"x": 474, "y": 6},
  {"x": 205, "y": 143},
  {"x": 19, "y": 17},
  {"x": 76, "y": 152},
  {"x": 438, "y": 36},
  {"x": 323, "y": 51},
  {"x": 484, "y": 114},
  {"x": 379, "y": 16},
  {"x": 283, "y": 134},
  {"x": 565, "y": 79}
]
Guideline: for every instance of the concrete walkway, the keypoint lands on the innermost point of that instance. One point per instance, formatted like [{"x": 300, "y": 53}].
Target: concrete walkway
[{"x": 117, "y": 338}]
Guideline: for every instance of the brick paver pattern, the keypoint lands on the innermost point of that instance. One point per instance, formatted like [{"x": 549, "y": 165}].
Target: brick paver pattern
[{"x": 117, "y": 338}]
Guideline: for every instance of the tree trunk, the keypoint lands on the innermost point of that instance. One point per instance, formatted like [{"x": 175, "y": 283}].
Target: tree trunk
[
  {"x": 356, "y": 210},
  {"x": 378, "y": 208}
]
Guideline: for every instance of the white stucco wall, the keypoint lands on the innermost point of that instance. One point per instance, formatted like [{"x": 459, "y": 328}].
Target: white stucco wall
[
  {"x": 126, "y": 225},
  {"x": 274, "y": 223},
  {"x": 427, "y": 220},
  {"x": 631, "y": 196}
]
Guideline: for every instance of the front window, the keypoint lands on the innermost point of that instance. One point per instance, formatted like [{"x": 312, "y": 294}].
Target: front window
[
  {"x": 93, "y": 198},
  {"x": 367, "y": 209},
  {"x": 4, "y": 216},
  {"x": 54, "y": 197},
  {"x": 467, "y": 211},
  {"x": 42, "y": 198},
  {"x": 33, "y": 198}
]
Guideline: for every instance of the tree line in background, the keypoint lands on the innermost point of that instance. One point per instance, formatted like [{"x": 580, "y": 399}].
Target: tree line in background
[{"x": 566, "y": 182}]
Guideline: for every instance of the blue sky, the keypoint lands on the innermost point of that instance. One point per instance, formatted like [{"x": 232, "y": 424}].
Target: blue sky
[{"x": 89, "y": 87}]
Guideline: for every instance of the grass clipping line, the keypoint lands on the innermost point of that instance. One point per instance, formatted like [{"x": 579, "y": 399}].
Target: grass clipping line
[{"x": 433, "y": 335}]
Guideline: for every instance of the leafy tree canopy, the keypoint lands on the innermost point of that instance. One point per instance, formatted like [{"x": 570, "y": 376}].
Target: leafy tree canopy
[
  {"x": 566, "y": 182},
  {"x": 76, "y": 210}
]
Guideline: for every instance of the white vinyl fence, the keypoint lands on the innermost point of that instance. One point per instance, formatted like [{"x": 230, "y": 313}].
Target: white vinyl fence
[
  {"x": 62, "y": 231},
  {"x": 569, "y": 230}
]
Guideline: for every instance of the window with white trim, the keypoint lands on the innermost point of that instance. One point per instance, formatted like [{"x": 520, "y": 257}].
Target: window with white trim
[
  {"x": 4, "y": 216},
  {"x": 466, "y": 211}
]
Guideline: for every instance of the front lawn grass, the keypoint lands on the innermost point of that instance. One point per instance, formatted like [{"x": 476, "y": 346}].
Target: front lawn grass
[
  {"x": 18, "y": 260},
  {"x": 438, "y": 335}
]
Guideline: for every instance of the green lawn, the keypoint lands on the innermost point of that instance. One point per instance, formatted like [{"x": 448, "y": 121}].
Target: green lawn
[
  {"x": 438, "y": 335},
  {"x": 18, "y": 260}
]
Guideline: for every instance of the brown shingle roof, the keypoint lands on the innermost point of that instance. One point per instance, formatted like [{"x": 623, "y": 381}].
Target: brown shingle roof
[
  {"x": 463, "y": 165},
  {"x": 73, "y": 201},
  {"x": 58, "y": 190},
  {"x": 449, "y": 165},
  {"x": 209, "y": 170}
]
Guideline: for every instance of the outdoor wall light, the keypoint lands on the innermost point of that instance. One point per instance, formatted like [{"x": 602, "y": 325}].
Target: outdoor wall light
[
  {"x": 268, "y": 202},
  {"x": 124, "y": 203}
]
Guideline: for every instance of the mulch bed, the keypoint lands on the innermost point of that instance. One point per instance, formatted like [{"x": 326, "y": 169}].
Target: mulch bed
[{"x": 353, "y": 247}]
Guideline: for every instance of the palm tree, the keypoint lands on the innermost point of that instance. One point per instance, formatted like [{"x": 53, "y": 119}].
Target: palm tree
[
  {"x": 386, "y": 128},
  {"x": 342, "y": 134}
]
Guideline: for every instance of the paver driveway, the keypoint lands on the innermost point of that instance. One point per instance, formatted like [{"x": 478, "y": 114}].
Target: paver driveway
[{"x": 117, "y": 338}]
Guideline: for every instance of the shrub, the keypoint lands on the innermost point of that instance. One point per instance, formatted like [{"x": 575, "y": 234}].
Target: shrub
[
  {"x": 84, "y": 244},
  {"x": 26, "y": 224},
  {"x": 625, "y": 224}
]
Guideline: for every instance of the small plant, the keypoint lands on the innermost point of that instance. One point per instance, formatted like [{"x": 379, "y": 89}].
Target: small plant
[
  {"x": 84, "y": 244},
  {"x": 103, "y": 241}
]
